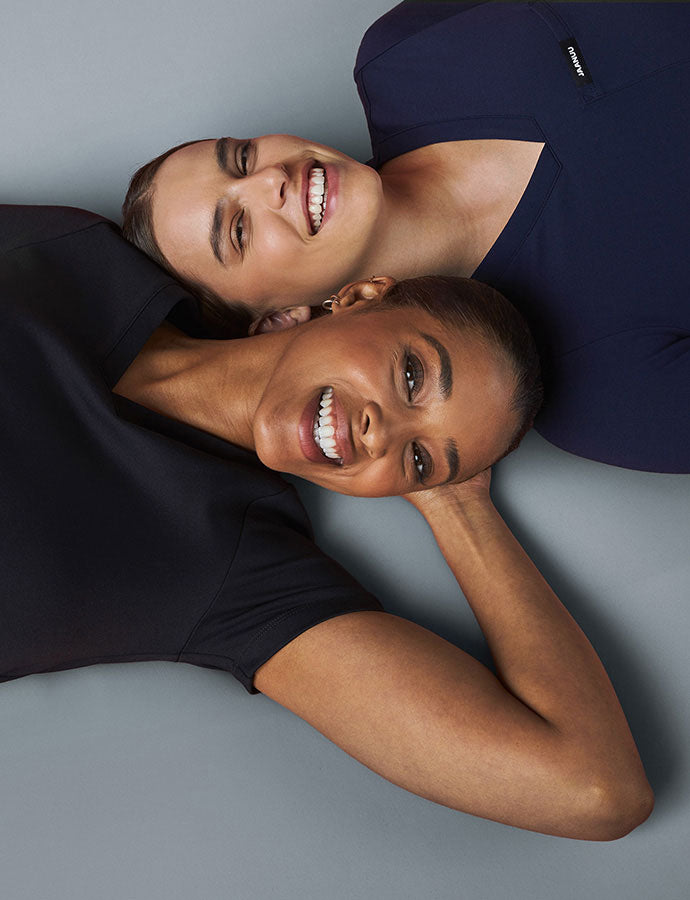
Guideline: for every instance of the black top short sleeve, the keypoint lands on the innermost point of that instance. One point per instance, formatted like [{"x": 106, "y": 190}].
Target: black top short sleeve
[{"x": 127, "y": 535}]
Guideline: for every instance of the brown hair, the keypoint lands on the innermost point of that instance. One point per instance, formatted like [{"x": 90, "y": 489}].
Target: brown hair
[
  {"x": 222, "y": 319},
  {"x": 463, "y": 303}
]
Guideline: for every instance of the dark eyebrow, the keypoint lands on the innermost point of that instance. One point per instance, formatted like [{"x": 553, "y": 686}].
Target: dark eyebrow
[
  {"x": 216, "y": 235},
  {"x": 446, "y": 379},
  {"x": 445, "y": 384},
  {"x": 222, "y": 153}
]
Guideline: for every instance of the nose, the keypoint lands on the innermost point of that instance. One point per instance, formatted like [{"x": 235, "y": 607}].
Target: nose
[
  {"x": 268, "y": 185},
  {"x": 374, "y": 431}
]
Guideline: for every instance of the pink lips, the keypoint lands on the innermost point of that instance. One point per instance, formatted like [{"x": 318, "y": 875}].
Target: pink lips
[{"x": 343, "y": 443}]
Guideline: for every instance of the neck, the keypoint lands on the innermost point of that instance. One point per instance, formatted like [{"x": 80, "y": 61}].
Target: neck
[
  {"x": 215, "y": 386},
  {"x": 445, "y": 205}
]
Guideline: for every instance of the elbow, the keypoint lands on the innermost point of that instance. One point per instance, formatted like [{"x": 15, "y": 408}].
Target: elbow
[{"x": 610, "y": 811}]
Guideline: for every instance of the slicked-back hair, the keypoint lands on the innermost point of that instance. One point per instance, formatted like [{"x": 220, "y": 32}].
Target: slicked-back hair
[
  {"x": 464, "y": 304},
  {"x": 223, "y": 319}
]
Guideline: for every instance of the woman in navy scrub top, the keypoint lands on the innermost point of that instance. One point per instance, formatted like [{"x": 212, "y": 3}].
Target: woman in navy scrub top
[
  {"x": 542, "y": 147},
  {"x": 142, "y": 518}
]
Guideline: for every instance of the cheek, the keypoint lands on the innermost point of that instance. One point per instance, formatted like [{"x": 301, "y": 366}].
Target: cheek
[{"x": 378, "y": 479}]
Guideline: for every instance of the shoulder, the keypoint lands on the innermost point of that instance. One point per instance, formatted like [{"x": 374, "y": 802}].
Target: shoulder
[
  {"x": 407, "y": 20},
  {"x": 24, "y": 225}
]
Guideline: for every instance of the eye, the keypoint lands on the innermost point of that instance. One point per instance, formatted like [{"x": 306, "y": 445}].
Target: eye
[
  {"x": 414, "y": 375},
  {"x": 422, "y": 463},
  {"x": 239, "y": 237},
  {"x": 243, "y": 157}
]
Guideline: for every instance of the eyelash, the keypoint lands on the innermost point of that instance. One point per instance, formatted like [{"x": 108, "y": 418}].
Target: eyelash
[
  {"x": 414, "y": 379},
  {"x": 241, "y": 161},
  {"x": 239, "y": 239},
  {"x": 242, "y": 156}
]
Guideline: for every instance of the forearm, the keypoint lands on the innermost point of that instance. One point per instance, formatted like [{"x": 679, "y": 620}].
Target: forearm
[{"x": 541, "y": 655}]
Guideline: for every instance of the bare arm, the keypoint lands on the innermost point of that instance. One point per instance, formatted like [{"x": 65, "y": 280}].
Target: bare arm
[{"x": 546, "y": 747}]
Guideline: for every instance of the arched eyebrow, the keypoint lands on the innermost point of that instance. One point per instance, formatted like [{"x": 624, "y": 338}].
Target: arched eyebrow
[
  {"x": 445, "y": 387},
  {"x": 221, "y": 150},
  {"x": 216, "y": 233},
  {"x": 445, "y": 382}
]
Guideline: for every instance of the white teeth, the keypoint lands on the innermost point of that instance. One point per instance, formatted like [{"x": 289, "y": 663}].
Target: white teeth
[
  {"x": 317, "y": 193},
  {"x": 324, "y": 426}
]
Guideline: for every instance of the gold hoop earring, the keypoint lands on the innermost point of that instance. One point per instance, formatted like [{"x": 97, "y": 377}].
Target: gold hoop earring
[{"x": 333, "y": 300}]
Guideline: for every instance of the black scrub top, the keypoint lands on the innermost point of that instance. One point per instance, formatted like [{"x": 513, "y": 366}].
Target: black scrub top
[{"x": 126, "y": 535}]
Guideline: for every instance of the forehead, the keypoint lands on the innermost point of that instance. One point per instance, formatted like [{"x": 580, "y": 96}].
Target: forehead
[{"x": 183, "y": 199}]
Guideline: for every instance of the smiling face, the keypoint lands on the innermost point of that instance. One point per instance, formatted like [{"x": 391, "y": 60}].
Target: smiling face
[
  {"x": 383, "y": 403},
  {"x": 269, "y": 222}
]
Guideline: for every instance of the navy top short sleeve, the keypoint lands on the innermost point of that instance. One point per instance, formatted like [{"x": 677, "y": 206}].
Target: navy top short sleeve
[
  {"x": 595, "y": 255},
  {"x": 127, "y": 535}
]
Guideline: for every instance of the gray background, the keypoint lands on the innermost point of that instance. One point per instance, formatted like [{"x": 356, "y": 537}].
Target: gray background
[{"x": 152, "y": 780}]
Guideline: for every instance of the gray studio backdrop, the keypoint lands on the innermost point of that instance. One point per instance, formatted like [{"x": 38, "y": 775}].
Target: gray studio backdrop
[{"x": 152, "y": 781}]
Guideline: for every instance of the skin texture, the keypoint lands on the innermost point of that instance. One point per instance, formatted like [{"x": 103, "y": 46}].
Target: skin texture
[{"x": 395, "y": 220}]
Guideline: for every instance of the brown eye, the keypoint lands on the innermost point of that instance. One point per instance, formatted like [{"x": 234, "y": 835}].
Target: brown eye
[
  {"x": 243, "y": 157},
  {"x": 414, "y": 375},
  {"x": 422, "y": 463}
]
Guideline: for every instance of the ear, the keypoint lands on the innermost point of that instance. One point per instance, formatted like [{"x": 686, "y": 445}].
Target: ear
[
  {"x": 280, "y": 320},
  {"x": 366, "y": 292}
]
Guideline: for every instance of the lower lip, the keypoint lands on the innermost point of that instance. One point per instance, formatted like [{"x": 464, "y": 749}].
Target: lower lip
[{"x": 306, "y": 432}]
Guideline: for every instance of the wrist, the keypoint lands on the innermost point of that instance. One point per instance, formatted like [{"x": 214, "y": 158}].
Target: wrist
[{"x": 453, "y": 500}]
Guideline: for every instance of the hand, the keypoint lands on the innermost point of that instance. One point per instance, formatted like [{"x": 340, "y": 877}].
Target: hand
[{"x": 474, "y": 489}]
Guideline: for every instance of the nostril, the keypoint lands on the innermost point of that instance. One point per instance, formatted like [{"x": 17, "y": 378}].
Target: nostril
[
  {"x": 282, "y": 191},
  {"x": 366, "y": 421}
]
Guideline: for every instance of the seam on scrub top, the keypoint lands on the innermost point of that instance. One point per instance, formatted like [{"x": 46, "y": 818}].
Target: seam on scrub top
[
  {"x": 230, "y": 565},
  {"x": 631, "y": 84},
  {"x": 664, "y": 329},
  {"x": 407, "y": 37},
  {"x": 139, "y": 312},
  {"x": 293, "y": 613},
  {"x": 55, "y": 237},
  {"x": 465, "y": 119}
]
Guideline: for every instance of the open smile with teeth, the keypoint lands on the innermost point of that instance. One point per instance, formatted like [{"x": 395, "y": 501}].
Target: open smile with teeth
[
  {"x": 324, "y": 427},
  {"x": 317, "y": 194}
]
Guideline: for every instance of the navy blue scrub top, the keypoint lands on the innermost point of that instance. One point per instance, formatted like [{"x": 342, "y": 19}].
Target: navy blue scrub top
[
  {"x": 126, "y": 535},
  {"x": 596, "y": 253}
]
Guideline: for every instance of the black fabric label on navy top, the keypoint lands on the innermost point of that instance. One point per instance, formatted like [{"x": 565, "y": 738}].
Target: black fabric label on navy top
[{"x": 578, "y": 66}]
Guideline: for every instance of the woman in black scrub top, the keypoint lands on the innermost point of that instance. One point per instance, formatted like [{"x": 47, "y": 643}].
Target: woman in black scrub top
[
  {"x": 143, "y": 518},
  {"x": 541, "y": 147}
]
